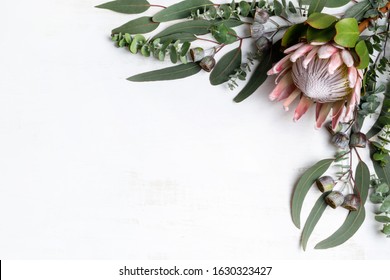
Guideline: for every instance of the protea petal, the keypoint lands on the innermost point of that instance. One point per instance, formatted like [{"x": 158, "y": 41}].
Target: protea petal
[
  {"x": 309, "y": 57},
  {"x": 326, "y": 51},
  {"x": 347, "y": 58},
  {"x": 301, "y": 51},
  {"x": 291, "y": 98},
  {"x": 281, "y": 74},
  {"x": 293, "y": 48},
  {"x": 303, "y": 106},
  {"x": 282, "y": 64},
  {"x": 284, "y": 83},
  {"x": 323, "y": 114},
  {"x": 335, "y": 62},
  {"x": 352, "y": 76},
  {"x": 357, "y": 90},
  {"x": 337, "y": 109}
]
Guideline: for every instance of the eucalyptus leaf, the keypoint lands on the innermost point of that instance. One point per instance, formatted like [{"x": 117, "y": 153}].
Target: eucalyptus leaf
[
  {"x": 173, "y": 55},
  {"x": 347, "y": 32},
  {"x": 336, "y": 3},
  {"x": 225, "y": 67},
  {"x": 376, "y": 128},
  {"x": 316, "y": 6},
  {"x": 385, "y": 207},
  {"x": 126, "y": 6},
  {"x": 362, "y": 179},
  {"x": 278, "y": 8},
  {"x": 180, "y": 10},
  {"x": 137, "y": 42},
  {"x": 358, "y": 10},
  {"x": 350, "y": 226},
  {"x": 382, "y": 219},
  {"x": 382, "y": 172},
  {"x": 291, "y": 8},
  {"x": 314, "y": 216},
  {"x": 183, "y": 37},
  {"x": 137, "y": 26},
  {"x": 196, "y": 27},
  {"x": 362, "y": 52},
  {"x": 170, "y": 73},
  {"x": 304, "y": 184},
  {"x": 320, "y": 20}
]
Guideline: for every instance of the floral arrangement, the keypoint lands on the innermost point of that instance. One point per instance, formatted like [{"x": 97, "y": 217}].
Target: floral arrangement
[{"x": 335, "y": 62}]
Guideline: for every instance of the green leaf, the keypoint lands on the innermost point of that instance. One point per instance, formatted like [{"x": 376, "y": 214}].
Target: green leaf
[
  {"x": 170, "y": 73},
  {"x": 278, "y": 8},
  {"x": 293, "y": 33},
  {"x": 228, "y": 22},
  {"x": 362, "y": 179},
  {"x": 173, "y": 54},
  {"x": 376, "y": 128},
  {"x": 382, "y": 172},
  {"x": 185, "y": 48},
  {"x": 304, "y": 184},
  {"x": 223, "y": 34},
  {"x": 137, "y": 26},
  {"x": 196, "y": 27},
  {"x": 316, "y": 6},
  {"x": 183, "y": 37},
  {"x": 126, "y": 6},
  {"x": 137, "y": 42},
  {"x": 291, "y": 8},
  {"x": 347, "y": 32},
  {"x": 362, "y": 52},
  {"x": 226, "y": 11},
  {"x": 312, "y": 220},
  {"x": 320, "y": 20},
  {"x": 258, "y": 77},
  {"x": 336, "y": 3},
  {"x": 323, "y": 35},
  {"x": 245, "y": 8},
  {"x": 180, "y": 10},
  {"x": 225, "y": 67},
  {"x": 358, "y": 10},
  {"x": 385, "y": 207},
  {"x": 350, "y": 226},
  {"x": 382, "y": 219}
]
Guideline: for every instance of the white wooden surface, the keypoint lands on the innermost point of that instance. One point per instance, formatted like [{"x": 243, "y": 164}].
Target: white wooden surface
[{"x": 95, "y": 167}]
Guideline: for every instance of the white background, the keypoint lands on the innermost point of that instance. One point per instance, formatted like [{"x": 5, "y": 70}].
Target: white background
[{"x": 95, "y": 167}]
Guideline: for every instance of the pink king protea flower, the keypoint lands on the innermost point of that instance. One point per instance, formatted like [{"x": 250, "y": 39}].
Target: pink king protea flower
[{"x": 322, "y": 74}]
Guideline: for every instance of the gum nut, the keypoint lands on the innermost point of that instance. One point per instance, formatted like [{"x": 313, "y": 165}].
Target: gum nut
[
  {"x": 257, "y": 30},
  {"x": 358, "y": 140},
  {"x": 338, "y": 128},
  {"x": 340, "y": 140},
  {"x": 261, "y": 15},
  {"x": 325, "y": 183},
  {"x": 207, "y": 63},
  {"x": 263, "y": 44},
  {"x": 197, "y": 54},
  {"x": 351, "y": 202},
  {"x": 334, "y": 199}
]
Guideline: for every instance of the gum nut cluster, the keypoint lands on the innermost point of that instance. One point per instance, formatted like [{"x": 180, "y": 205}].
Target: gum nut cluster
[{"x": 321, "y": 74}]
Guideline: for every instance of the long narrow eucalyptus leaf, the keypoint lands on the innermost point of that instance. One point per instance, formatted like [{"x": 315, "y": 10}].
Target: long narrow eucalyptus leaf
[
  {"x": 350, "y": 226},
  {"x": 126, "y": 6},
  {"x": 358, "y": 10},
  {"x": 362, "y": 179},
  {"x": 225, "y": 67},
  {"x": 314, "y": 216},
  {"x": 316, "y": 6},
  {"x": 305, "y": 182},
  {"x": 171, "y": 73},
  {"x": 197, "y": 27},
  {"x": 257, "y": 79},
  {"x": 181, "y": 10},
  {"x": 137, "y": 26}
]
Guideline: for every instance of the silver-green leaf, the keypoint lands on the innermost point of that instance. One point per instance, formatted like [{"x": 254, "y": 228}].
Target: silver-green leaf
[
  {"x": 225, "y": 67},
  {"x": 170, "y": 73},
  {"x": 305, "y": 182},
  {"x": 180, "y": 10},
  {"x": 137, "y": 26},
  {"x": 126, "y": 6}
]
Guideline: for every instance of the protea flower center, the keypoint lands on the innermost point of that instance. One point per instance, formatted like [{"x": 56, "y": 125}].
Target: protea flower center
[
  {"x": 316, "y": 83},
  {"x": 322, "y": 74}
]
